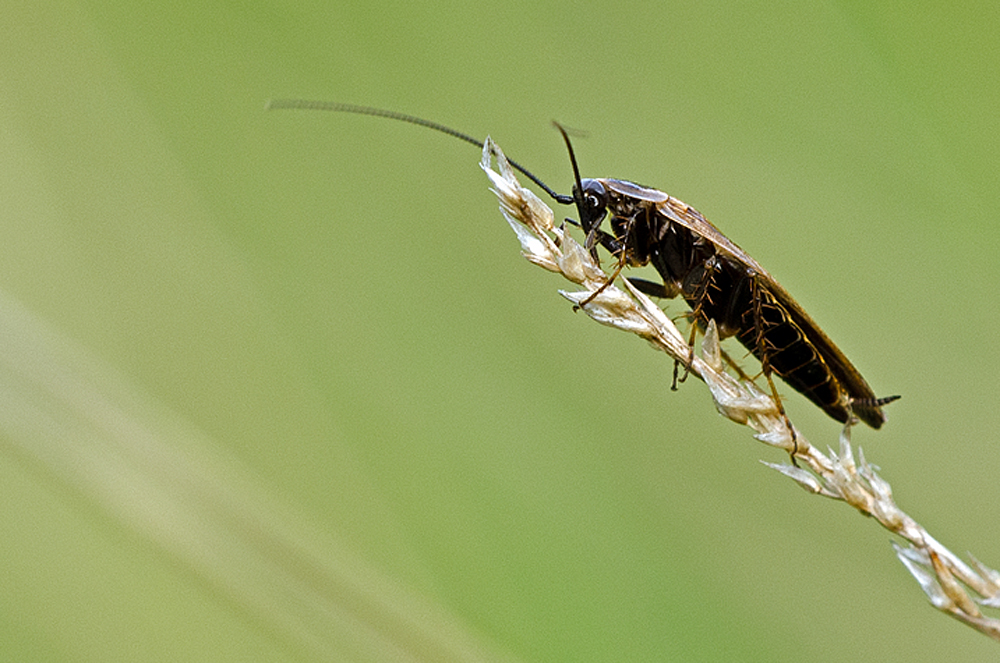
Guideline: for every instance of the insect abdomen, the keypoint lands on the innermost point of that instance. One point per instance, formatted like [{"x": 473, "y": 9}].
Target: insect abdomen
[
  {"x": 777, "y": 341},
  {"x": 716, "y": 287}
]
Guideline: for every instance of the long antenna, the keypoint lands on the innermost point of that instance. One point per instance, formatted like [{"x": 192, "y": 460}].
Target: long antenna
[
  {"x": 306, "y": 104},
  {"x": 585, "y": 221}
]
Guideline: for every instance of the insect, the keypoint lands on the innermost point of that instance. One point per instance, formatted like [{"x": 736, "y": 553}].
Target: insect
[{"x": 715, "y": 277}]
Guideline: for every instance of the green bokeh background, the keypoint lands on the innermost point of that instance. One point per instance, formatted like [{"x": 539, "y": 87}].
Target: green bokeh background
[{"x": 278, "y": 386}]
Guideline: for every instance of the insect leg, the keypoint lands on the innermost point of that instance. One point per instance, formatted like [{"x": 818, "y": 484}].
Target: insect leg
[
  {"x": 697, "y": 311},
  {"x": 757, "y": 302},
  {"x": 735, "y": 366},
  {"x": 701, "y": 296},
  {"x": 616, "y": 247},
  {"x": 611, "y": 279},
  {"x": 654, "y": 289}
]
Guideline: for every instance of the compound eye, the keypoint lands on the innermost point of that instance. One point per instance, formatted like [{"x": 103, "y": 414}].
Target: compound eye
[
  {"x": 595, "y": 197},
  {"x": 592, "y": 204}
]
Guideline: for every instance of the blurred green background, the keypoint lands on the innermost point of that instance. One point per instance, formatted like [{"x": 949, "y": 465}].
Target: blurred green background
[{"x": 278, "y": 386}]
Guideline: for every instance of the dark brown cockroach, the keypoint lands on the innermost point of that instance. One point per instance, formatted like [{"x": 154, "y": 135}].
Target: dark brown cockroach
[{"x": 716, "y": 278}]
